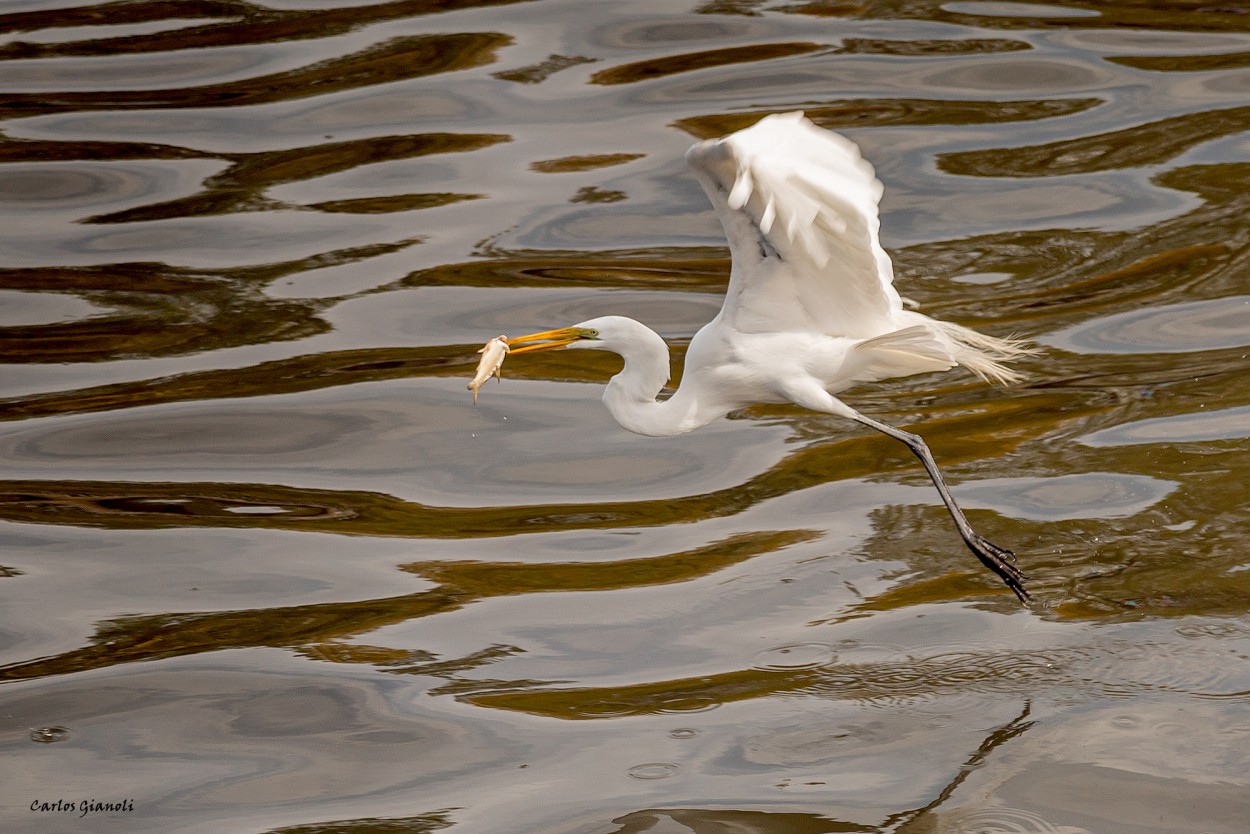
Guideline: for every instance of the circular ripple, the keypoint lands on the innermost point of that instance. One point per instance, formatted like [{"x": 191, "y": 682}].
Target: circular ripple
[
  {"x": 1066, "y": 497},
  {"x": 653, "y": 770},
  {"x": 1194, "y": 427},
  {"x": 792, "y": 656},
  {"x": 1015, "y": 74},
  {"x": 1215, "y": 324},
  {"x": 683, "y": 733},
  {"x": 984, "y": 9},
  {"x": 1216, "y": 630},
  {"x": 1004, "y": 821},
  {"x": 176, "y": 436},
  {"x": 208, "y": 507},
  {"x": 605, "y": 709},
  {"x": 861, "y": 666},
  {"x": 257, "y": 509},
  {"x": 80, "y": 187},
  {"x": 956, "y": 679},
  {"x": 22, "y": 308},
  {"x": 961, "y": 680},
  {"x": 59, "y": 184},
  {"x": 695, "y": 703},
  {"x": 1192, "y": 668}
]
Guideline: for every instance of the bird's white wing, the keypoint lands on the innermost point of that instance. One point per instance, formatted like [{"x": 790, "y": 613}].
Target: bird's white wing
[{"x": 799, "y": 205}]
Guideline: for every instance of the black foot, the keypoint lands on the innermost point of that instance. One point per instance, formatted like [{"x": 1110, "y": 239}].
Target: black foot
[{"x": 1000, "y": 560}]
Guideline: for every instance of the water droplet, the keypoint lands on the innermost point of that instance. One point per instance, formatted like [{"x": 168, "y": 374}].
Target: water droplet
[{"x": 48, "y": 735}]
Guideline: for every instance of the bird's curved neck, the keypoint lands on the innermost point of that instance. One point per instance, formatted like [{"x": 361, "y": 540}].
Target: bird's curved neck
[
  {"x": 631, "y": 395},
  {"x": 650, "y": 416}
]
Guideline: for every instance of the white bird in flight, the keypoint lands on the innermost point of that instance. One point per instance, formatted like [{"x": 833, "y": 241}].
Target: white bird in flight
[{"x": 810, "y": 311}]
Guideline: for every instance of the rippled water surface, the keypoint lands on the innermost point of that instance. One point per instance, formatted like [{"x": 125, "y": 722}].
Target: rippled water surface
[{"x": 265, "y": 568}]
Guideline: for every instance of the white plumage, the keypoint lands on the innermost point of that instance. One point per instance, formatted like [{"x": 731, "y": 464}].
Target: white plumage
[{"x": 810, "y": 309}]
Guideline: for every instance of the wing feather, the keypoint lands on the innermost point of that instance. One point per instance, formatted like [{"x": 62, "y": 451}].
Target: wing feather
[{"x": 810, "y": 194}]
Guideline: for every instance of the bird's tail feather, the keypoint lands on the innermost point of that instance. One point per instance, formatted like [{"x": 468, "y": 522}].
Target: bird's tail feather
[
  {"x": 984, "y": 355},
  {"x": 933, "y": 345},
  {"x": 910, "y": 350}
]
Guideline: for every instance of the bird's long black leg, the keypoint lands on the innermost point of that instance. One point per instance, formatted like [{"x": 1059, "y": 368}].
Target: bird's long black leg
[{"x": 998, "y": 559}]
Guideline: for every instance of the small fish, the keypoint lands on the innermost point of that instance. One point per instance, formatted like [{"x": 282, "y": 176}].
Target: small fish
[{"x": 493, "y": 354}]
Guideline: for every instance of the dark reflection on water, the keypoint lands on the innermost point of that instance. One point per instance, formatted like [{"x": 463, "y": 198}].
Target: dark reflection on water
[
  {"x": 896, "y": 112},
  {"x": 228, "y": 23},
  {"x": 395, "y": 60},
  {"x": 1133, "y": 147},
  {"x": 266, "y": 567},
  {"x": 242, "y": 186},
  {"x": 150, "y": 310},
  {"x": 319, "y": 628}
]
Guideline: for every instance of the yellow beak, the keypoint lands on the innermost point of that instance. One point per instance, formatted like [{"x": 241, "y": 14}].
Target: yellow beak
[{"x": 547, "y": 339}]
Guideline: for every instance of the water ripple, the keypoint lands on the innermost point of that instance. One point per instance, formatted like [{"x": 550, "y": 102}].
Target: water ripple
[
  {"x": 653, "y": 770},
  {"x": 1002, "y": 821},
  {"x": 1198, "y": 427},
  {"x": 1214, "y": 324},
  {"x": 795, "y": 656},
  {"x": 1088, "y": 495}
]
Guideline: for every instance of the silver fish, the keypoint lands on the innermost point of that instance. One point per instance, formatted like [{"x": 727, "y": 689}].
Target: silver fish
[{"x": 493, "y": 354}]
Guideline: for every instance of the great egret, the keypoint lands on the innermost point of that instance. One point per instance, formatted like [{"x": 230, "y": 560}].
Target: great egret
[{"x": 810, "y": 310}]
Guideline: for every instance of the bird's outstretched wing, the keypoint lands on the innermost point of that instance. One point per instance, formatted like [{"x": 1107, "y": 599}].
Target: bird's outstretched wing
[{"x": 799, "y": 205}]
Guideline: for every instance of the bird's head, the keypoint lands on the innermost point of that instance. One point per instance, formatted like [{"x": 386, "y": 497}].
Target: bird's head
[
  {"x": 603, "y": 333},
  {"x": 615, "y": 333},
  {"x": 714, "y": 162},
  {"x": 562, "y": 337}
]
